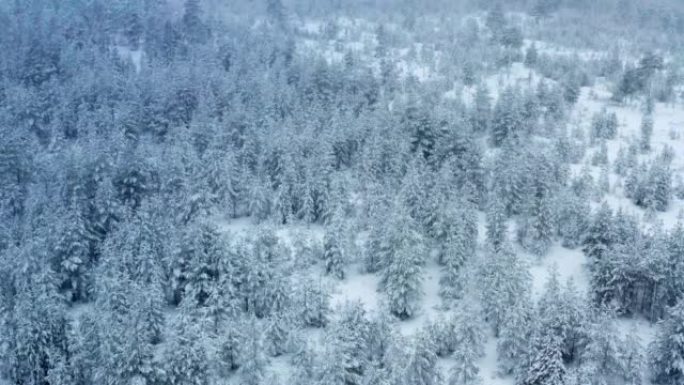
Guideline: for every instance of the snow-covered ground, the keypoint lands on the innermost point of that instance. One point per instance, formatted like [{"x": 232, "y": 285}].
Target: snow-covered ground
[{"x": 357, "y": 36}]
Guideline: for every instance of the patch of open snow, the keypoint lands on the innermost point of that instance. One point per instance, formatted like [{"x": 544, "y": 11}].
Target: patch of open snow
[
  {"x": 358, "y": 287},
  {"x": 489, "y": 365},
  {"x": 570, "y": 264},
  {"x": 645, "y": 330}
]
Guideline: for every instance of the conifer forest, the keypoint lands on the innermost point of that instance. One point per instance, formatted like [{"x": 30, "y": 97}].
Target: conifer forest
[{"x": 341, "y": 192}]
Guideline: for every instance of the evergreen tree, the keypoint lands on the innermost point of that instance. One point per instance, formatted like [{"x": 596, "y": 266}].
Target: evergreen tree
[
  {"x": 403, "y": 274},
  {"x": 666, "y": 354},
  {"x": 505, "y": 279},
  {"x": 542, "y": 222},
  {"x": 575, "y": 213},
  {"x": 422, "y": 367},
  {"x": 468, "y": 344},
  {"x": 497, "y": 228},
  {"x": 229, "y": 350},
  {"x": 402, "y": 279},
  {"x": 72, "y": 257},
  {"x": 601, "y": 354},
  {"x": 646, "y": 133},
  {"x": 349, "y": 338},
  {"x": 511, "y": 347},
  {"x": 253, "y": 362},
  {"x": 277, "y": 336},
  {"x": 599, "y": 237},
  {"x": 545, "y": 366},
  {"x": 506, "y": 120},
  {"x": 460, "y": 246},
  {"x": 481, "y": 114},
  {"x": 333, "y": 254},
  {"x": 632, "y": 359},
  {"x": 312, "y": 304},
  {"x": 185, "y": 362}
]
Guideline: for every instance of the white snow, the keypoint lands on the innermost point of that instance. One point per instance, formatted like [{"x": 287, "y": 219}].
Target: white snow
[{"x": 570, "y": 264}]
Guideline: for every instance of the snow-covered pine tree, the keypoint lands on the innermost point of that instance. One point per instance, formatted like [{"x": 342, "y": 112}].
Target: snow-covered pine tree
[
  {"x": 403, "y": 275},
  {"x": 349, "y": 338},
  {"x": 575, "y": 213},
  {"x": 632, "y": 359},
  {"x": 545, "y": 362},
  {"x": 666, "y": 354},
  {"x": 185, "y": 361},
  {"x": 600, "y": 235},
  {"x": 601, "y": 355},
  {"x": 506, "y": 119},
  {"x": 72, "y": 256},
  {"x": 603, "y": 183},
  {"x": 459, "y": 247},
  {"x": 600, "y": 157},
  {"x": 514, "y": 335},
  {"x": 333, "y": 255},
  {"x": 646, "y": 130},
  {"x": 541, "y": 228},
  {"x": 253, "y": 362},
  {"x": 481, "y": 114},
  {"x": 497, "y": 227},
  {"x": 504, "y": 279},
  {"x": 469, "y": 338},
  {"x": 312, "y": 304},
  {"x": 422, "y": 366}
]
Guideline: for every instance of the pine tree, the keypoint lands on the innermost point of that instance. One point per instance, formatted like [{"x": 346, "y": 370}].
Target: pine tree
[
  {"x": 504, "y": 279},
  {"x": 349, "y": 338},
  {"x": 422, "y": 366},
  {"x": 600, "y": 157},
  {"x": 574, "y": 326},
  {"x": 333, "y": 254},
  {"x": 666, "y": 353},
  {"x": 545, "y": 366},
  {"x": 604, "y": 125},
  {"x": 277, "y": 336},
  {"x": 507, "y": 119},
  {"x": 661, "y": 185},
  {"x": 312, "y": 304},
  {"x": 230, "y": 343},
  {"x": 575, "y": 213},
  {"x": 511, "y": 347},
  {"x": 195, "y": 31},
  {"x": 603, "y": 181},
  {"x": 72, "y": 257},
  {"x": 620, "y": 165},
  {"x": 481, "y": 114},
  {"x": 496, "y": 20},
  {"x": 402, "y": 277},
  {"x": 632, "y": 359},
  {"x": 421, "y": 129},
  {"x": 469, "y": 339},
  {"x": 253, "y": 363},
  {"x": 497, "y": 228},
  {"x": 601, "y": 353},
  {"x": 459, "y": 247},
  {"x": 185, "y": 362},
  {"x": 541, "y": 235},
  {"x": 599, "y": 237},
  {"x": 646, "y": 133}
]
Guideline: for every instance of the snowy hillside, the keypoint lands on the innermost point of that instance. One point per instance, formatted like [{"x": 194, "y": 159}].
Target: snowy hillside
[{"x": 342, "y": 192}]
